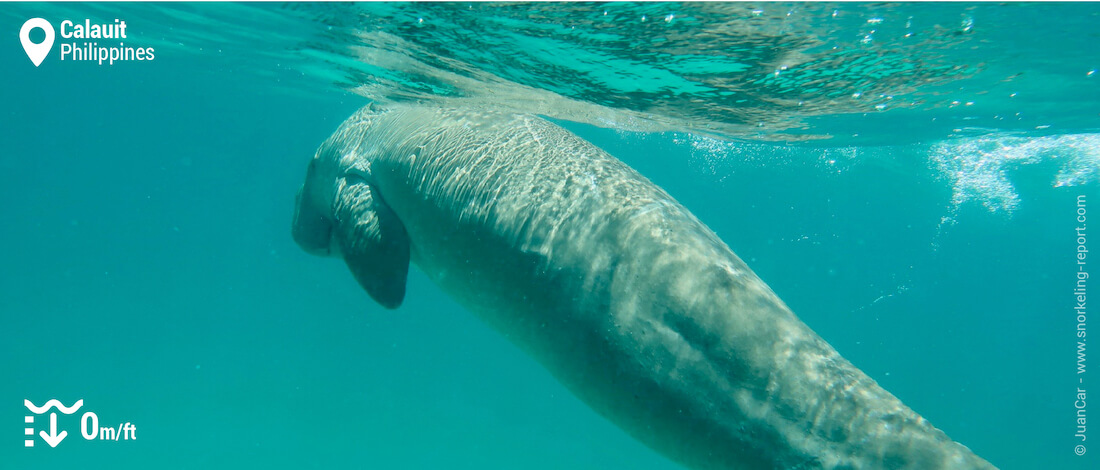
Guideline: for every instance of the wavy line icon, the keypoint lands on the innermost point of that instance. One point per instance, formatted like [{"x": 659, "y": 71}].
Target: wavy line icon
[{"x": 52, "y": 403}]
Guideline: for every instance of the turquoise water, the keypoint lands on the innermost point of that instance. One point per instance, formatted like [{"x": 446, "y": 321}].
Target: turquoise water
[{"x": 906, "y": 177}]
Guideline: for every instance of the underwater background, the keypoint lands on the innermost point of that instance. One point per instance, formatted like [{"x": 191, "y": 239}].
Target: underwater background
[{"x": 906, "y": 177}]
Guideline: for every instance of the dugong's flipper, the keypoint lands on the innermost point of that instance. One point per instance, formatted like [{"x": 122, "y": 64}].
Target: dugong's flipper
[
  {"x": 373, "y": 242},
  {"x": 358, "y": 226}
]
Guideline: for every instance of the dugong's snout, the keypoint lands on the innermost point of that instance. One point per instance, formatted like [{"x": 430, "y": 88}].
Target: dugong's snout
[{"x": 312, "y": 230}]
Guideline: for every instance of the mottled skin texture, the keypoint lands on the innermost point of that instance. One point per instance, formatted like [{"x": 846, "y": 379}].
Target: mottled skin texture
[{"x": 630, "y": 301}]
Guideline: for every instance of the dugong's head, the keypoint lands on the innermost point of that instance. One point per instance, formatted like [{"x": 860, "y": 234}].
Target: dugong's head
[{"x": 340, "y": 212}]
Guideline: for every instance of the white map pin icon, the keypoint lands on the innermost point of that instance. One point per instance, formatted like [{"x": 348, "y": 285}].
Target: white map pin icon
[{"x": 37, "y": 52}]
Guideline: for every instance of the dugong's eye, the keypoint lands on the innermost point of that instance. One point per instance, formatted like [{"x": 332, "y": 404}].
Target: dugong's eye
[{"x": 356, "y": 175}]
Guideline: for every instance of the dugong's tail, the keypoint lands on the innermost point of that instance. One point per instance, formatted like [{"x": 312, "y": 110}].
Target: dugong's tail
[
  {"x": 820, "y": 405},
  {"x": 733, "y": 368}
]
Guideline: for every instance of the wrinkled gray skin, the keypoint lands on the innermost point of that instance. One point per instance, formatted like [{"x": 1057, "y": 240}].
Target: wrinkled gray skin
[{"x": 630, "y": 301}]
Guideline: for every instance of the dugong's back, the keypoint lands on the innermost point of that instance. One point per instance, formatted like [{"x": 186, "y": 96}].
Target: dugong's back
[{"x": 627, "y": 298}]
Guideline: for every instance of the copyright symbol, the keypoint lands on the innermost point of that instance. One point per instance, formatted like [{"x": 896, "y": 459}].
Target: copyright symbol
[{"x": 1079, "y": 450}]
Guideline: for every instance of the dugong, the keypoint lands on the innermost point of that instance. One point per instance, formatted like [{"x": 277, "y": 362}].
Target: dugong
[{"x": 620, "y": 292}]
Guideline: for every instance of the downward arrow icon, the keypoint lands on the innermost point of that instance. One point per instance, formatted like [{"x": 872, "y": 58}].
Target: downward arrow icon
[{"x": 53, "y": 438}]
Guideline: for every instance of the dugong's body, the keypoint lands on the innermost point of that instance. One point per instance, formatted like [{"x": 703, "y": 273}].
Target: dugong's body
[{"x": 630, "y": 301}]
